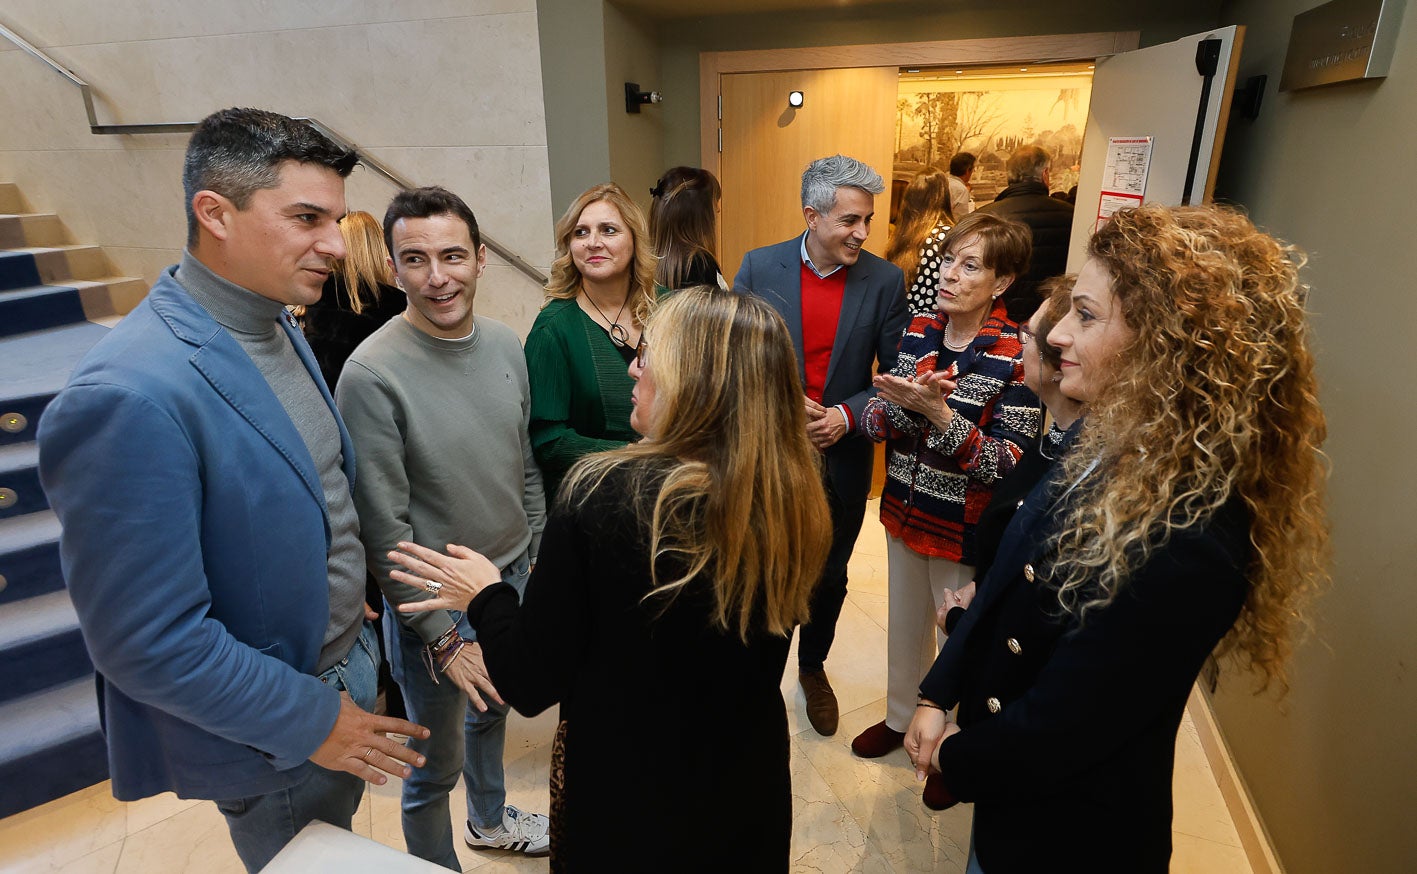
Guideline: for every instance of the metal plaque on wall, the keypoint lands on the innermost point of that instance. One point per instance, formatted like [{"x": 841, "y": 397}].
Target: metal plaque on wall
[{"x": 1341, "y": 41}]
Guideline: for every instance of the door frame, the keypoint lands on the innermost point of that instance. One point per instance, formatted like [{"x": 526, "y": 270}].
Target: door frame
[{"x": 994, "y": 50}]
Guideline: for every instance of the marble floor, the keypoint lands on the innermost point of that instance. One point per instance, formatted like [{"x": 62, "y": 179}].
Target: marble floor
[{"x": 850, "y": 814}]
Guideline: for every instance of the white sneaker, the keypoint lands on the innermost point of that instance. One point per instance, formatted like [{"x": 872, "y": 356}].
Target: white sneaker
[{"x": 520, "y": 831}]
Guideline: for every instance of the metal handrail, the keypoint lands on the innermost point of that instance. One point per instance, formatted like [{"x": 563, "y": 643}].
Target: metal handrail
[{"x": 366, "y": 159}]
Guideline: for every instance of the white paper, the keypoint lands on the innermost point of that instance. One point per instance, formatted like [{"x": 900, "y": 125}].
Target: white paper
[{"x": 1123, "y": 176}]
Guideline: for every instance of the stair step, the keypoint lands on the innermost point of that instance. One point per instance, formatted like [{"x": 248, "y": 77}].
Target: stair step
[
  {"x": 36, "y": 307},
  {"x": 20, "y": 491},
  {"x": 50, "y": 745},
  {"x": 59, "y": 264},
  {"x": 40, "y": 645},
  {"x": 32, "y": 229},
  {"x": 18, "y": 269},
  {"x": 29, "y": 556},
  {"x": 33, "y": 368},
  {"x": 11, "y": 200}
]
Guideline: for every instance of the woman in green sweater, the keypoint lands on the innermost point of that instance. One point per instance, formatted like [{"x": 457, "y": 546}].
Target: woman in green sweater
[{"x": 577, "y": 354}]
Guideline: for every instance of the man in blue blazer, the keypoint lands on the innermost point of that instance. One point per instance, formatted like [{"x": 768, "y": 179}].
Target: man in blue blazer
[
  {"x": 845, "y": 309},
  {"x": 210, "y": 545}
]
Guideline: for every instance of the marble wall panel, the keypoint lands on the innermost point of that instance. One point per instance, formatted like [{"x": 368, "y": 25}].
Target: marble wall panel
[
  {"x": 76, "y": 22},
  {"x": 445, "y": 91}
]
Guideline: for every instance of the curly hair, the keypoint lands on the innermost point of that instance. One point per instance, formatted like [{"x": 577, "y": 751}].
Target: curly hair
[
  {"x": 566, "y": 278},
  {"x": 1212, "y": 298}
]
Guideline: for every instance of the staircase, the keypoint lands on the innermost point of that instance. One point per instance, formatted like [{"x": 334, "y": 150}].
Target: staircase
[{"x": 50, "y": 289}]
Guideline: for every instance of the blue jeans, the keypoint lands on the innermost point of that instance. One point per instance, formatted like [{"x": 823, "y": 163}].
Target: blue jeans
[
  {"x": 461, "y": 739},
  {"x": 262, "y": 824}
]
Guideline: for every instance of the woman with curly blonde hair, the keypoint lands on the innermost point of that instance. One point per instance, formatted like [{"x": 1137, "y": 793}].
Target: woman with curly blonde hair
[
  {"x": 1187, "y": 513},
  {"x": 600, "y": 294}
]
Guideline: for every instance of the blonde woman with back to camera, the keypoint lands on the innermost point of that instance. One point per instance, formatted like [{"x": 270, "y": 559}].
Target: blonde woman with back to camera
[
  {"x": 600, "y": 294},
  {"x": 1187, "y": 513},
  {"x": 659, "y": 616}
]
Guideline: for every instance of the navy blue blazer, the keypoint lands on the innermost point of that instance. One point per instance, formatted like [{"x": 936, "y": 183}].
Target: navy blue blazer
[
  {"x": 194, "y": 546},
  {"x": 1069, "y": 730},
  {"x": 873, "y": 317}
]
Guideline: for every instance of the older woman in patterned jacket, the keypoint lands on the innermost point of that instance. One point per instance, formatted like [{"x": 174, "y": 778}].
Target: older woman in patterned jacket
[{"x": 955, "y": 415}]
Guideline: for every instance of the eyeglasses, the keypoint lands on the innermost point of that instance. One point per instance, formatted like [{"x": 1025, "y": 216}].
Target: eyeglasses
[
  {"x": 642, "y": 353},
  {"x": 1025, "y": 336}
]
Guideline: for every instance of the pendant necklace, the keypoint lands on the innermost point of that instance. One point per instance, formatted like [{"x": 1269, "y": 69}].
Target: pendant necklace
[{"x": 618, "y": 335}]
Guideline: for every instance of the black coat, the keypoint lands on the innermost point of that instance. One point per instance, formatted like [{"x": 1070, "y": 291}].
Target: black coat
[
  {"x": 1051, "y": 221},
  {"x": 334, "y": 330},
  {"x": 1069, "y": 731},
  {"x": 666, "y": 717}
]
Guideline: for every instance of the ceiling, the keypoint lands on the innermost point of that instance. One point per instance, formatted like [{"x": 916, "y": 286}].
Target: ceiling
[{"x": 667, "y": 9}]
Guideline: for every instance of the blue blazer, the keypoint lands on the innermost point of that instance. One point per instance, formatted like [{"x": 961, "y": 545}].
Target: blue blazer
[
  {"x": 873, "y": 317},
  {"x": 194, "y": 547}
]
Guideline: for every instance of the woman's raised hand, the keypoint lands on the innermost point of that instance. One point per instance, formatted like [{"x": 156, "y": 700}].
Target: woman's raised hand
[{"x": 453, "y": 579}]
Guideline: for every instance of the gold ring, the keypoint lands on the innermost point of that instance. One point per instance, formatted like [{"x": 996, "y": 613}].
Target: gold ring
[{"x": 369, "y": 755}]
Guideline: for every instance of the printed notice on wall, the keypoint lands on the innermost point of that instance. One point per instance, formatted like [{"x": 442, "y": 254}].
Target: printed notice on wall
[{"x": 1123, "y": 176}]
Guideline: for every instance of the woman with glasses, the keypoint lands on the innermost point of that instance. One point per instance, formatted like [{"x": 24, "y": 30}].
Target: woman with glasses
[
  {"x": 600, "y": 294},
  {"x": 956, "y": 416},
  {"x": 672, "y": 572},
  {"x": 1187, "y": 511}
]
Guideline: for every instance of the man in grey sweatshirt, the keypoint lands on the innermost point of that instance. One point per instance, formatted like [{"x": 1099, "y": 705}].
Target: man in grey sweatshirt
[{"x": 437, "y": 403}]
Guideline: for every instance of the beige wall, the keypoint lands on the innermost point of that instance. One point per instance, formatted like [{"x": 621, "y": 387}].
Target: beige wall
[
  {"x": 636, "y": 139},
  {"x": 572, "y": 36},
  {"x": 683, "y": 39},
  {"x": 1332, "y": 767},
  {"x": 442, "y": 91}
]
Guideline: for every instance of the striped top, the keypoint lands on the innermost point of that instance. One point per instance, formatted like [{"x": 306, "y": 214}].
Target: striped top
[{"x": 939, "y": 482}]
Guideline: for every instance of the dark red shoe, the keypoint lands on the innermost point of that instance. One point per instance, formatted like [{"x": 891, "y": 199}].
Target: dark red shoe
[
  {"x": 877, "y": 740},
  {"x": 936, "y": 796}
]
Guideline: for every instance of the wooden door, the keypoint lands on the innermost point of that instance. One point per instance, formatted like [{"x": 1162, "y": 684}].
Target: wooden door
[{"x": 767, "y": 145}]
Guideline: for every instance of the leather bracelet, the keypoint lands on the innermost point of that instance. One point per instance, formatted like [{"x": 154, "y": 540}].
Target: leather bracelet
[
  {"x": 931, "y": 705},
  {"x": 441, "y": 653}
]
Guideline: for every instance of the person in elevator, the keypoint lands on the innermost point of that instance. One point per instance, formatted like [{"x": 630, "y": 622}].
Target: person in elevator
[
  {"x": 661, "y": 610},
  {"x": 845, "y": 310},
  {"x": 956, "y": 416},
  {"x": 600, "y": 294},
  {"x": 1188, "y": 512}
]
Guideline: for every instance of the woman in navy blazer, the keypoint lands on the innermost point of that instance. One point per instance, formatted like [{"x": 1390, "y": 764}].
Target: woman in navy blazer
[{"x": 1187, "y": 512}]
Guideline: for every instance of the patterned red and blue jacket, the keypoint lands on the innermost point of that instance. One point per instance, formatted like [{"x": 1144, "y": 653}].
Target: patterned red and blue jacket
[{"x": 939, "y": 482}]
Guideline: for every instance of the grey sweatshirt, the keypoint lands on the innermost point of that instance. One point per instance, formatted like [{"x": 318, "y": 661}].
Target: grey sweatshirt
[
  {"x": 440, "y": 429},
  {"x": 252, "y": 321}
]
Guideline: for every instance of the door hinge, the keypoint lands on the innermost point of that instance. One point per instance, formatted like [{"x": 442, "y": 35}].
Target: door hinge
[
  {"x": 720, "y": 107},
  {"x": 720, "y": 139}
]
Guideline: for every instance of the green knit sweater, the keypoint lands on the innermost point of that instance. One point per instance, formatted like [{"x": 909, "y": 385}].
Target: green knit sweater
[{"x": 580, "y": 391}]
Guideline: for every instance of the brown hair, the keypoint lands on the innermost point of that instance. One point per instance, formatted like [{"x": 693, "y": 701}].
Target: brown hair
[
  {"x": 682, "y": 217},
  {"x": 1007, "y": 244},
  {"x": 924, "y": 207}
]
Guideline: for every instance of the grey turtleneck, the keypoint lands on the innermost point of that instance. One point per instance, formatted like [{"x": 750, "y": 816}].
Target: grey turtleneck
[{"x": 252, "y": 321}]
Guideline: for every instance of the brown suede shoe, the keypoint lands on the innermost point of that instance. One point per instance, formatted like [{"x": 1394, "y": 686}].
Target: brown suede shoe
[
  {"x": 877, "y": 740},
  {"x": 821, "y": 701}
]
